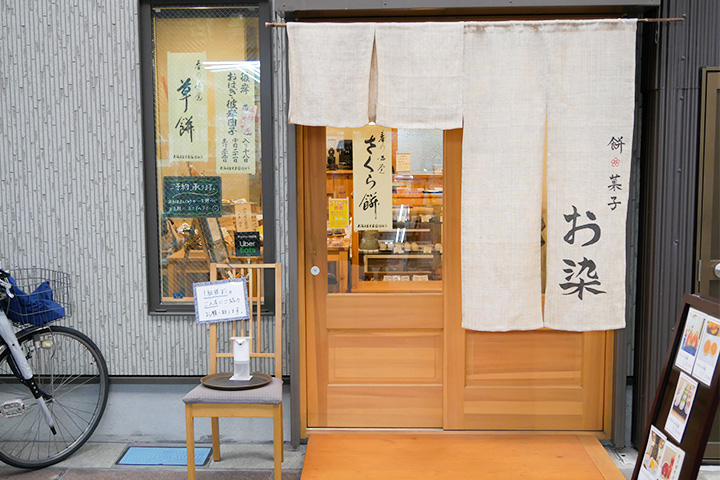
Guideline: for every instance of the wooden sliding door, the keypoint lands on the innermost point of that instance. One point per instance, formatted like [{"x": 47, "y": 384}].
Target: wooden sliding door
[
  {"x": 383, "y": 343},
  {"x": 373, "y": 298},
  {"x": 524, "y": 380}
]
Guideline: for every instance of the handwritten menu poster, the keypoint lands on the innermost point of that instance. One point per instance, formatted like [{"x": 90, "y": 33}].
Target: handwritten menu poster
[
  {"x": 221, "y": 301},
  {"x": 187, "y": 107},
  {"x": 372, "y": 178},
  {"x": 235, "y": 112},
  {"x": 245, "y": 220}
]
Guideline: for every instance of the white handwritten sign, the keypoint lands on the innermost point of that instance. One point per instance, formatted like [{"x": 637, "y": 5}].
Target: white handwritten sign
[
  {"x": 403, "y": 162},
  {"x": 221, "y": 301}
]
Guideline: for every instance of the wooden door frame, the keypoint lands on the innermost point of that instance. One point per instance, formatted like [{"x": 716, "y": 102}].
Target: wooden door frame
[
  {"x": 705, "y": 170},
  {"x": 452, "y": 266},
  {"x": 705, "y": 193},
  {"x": 305, "y": 137},
  {"x": 302, "y": 328}
]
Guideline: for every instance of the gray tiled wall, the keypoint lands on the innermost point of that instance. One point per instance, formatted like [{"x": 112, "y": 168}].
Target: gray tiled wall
[{"x": 71, "y": 178}]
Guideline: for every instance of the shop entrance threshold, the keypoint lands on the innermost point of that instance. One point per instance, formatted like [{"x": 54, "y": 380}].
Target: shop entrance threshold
[{"x": 420, "y": 456}]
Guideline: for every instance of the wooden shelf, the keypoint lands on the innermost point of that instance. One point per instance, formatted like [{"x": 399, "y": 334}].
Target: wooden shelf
[
  {"x": 398, "y": 287},
  {"x": 417, "y": 199},
  {"x": 410, "y": 230},
  {"x": 398, "y": 256}
]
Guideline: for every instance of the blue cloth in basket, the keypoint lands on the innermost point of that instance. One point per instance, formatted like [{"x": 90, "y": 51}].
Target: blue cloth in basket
[{"x": 37, "y": 308}]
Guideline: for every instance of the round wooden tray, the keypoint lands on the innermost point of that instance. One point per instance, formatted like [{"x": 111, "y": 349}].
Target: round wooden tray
[{"x": 221, "y": 381}]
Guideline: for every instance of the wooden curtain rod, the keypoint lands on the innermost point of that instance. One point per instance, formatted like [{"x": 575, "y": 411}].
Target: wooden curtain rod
[
  {"x": 647, "y": 20},
  {"x": 661, "y": 20}
]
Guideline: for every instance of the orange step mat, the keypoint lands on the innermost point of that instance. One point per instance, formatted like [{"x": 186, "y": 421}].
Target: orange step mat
[{"x": 419, "y": 456}]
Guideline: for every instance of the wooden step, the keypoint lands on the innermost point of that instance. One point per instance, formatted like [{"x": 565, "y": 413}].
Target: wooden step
[{"x": 439, "y": 456}]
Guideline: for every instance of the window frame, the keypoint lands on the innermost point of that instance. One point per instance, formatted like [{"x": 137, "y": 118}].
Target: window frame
[{"x": 156, "y": 305}]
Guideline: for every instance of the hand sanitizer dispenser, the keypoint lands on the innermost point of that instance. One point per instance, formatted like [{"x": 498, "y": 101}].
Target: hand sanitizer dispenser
[{"x": 241, "y": 354}]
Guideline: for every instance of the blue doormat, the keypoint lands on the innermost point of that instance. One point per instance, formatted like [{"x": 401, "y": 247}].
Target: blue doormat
[{"x": 163, "y": 456}]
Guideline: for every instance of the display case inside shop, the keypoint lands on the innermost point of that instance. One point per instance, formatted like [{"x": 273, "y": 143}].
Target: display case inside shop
[{"x": 406, "y": 253}]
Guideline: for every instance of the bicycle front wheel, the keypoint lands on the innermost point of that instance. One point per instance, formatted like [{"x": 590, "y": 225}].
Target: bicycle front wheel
[{"x": 72, "y": 375}]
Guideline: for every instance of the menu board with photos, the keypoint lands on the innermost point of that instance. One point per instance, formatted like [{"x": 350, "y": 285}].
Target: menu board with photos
[{"x": 686, "y": 398}]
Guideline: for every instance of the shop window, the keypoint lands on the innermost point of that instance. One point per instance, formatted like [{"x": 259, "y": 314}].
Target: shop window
[
  {"x": 207, "y": 146},
  {"x": 385, "y": 209}
]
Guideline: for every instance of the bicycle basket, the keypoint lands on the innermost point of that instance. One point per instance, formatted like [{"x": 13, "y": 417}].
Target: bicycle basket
[{"x": 41, "y": 296}]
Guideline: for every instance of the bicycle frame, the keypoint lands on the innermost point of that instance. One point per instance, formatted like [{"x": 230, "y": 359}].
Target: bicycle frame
[{"x": 24, "y": 373}]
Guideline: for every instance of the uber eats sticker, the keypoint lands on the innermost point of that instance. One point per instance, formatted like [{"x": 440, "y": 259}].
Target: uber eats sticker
[{"x": 247, "y": 244}]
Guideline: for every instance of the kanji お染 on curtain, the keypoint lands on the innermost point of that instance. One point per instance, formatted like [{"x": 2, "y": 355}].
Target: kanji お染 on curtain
[{"x": 591, "y": 100}]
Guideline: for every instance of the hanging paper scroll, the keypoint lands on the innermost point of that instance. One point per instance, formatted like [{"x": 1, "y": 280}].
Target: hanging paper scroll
[
  {"x": 372, "y": 178},
  {"x": 187, "y": 107},
  {"x": 235, "y": 122}
]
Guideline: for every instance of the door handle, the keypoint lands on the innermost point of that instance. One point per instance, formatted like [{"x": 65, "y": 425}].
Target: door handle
[
  {"x": 717, "y": 270},
  {"x": 315, "y": 270}
]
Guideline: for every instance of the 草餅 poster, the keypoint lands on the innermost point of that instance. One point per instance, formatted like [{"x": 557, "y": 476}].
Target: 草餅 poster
[{"x": 187, "y": 107}]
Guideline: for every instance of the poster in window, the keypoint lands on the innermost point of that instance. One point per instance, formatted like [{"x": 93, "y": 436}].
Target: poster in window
[
  {"x": 235, "y": 112},
  {"x": 681, "y": 407},
  {"x": 187, "y": 107},
  {"x": 192, "y": 196},
  {"x": 372, "y": 178},
  {"x": 245, "y": 220},
  {"x": 338, "y": 213},
  {"x": 707, "y": 351},
  {"x": 691, "y": 339}
]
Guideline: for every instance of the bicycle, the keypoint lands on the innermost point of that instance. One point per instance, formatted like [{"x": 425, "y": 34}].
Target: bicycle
[{"x": 53, "y": 379}]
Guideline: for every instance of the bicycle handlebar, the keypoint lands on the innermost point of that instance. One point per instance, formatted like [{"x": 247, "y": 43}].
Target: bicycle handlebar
[{"x": 5, "y": 283}]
